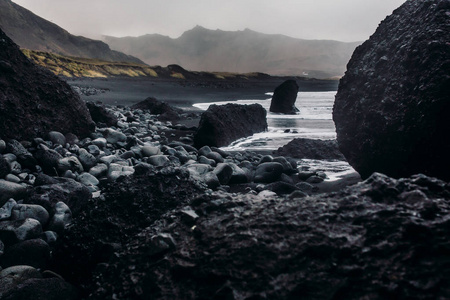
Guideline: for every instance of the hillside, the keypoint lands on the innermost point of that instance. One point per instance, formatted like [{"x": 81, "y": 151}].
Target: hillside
[
  {"x": 240, "y": 51},
  {"x": 74, "y": 67},
  {"x": 33, "y": 32}
]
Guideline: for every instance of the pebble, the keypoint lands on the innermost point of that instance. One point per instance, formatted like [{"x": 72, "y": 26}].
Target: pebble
[
  {"x": 2, "y": 146},
  {"x": 12, "y": 232},
  {"x": 99, "y": 170},
  {"x": 61, "y": 218},
  {"x": 148, "y": 151},
  {"x": 268, "y": 172},
  {"x": 223, "y": 172},
  {"x": 88, "y": 179},
  {"x": 86, "y": 159},
  {"x": 11, "y": 190},
  {"x": 158, "y": 160},
  {"x": 24, "y": 211},
  {"x": 5, "y": 210},
  {"x": 12, "y": 178},
  {"x": 57, "y": 138},
  {"x": 70, "y": 163}
]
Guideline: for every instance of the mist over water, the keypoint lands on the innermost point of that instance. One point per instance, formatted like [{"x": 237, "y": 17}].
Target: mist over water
[{"x": 314, "y": 122}]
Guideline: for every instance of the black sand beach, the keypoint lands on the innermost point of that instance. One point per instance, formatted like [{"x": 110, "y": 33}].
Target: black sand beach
[{"x": 181, "y": 93}]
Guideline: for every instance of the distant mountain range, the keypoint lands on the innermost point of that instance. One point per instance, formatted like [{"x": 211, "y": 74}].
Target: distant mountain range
[
  {"x": 33, "y": 32},
  {"x": 240, "y": 51}
]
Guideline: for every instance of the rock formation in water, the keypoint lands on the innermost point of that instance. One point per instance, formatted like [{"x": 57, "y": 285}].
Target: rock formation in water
[
  {"x": 284, "y": 97},
  {"x": 392, "y": 106},
  {"x": 33, "y": 101},
  {"x": 156, "y": 107},
  {"x": 222, "y": 124}
]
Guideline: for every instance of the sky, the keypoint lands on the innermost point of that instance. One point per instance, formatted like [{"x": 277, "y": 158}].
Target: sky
[{"x": 342, "y": 20}]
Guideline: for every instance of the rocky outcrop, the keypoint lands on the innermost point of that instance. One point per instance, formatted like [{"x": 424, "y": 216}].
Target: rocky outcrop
[
  {"x": 33, "y": 101},
  {"x": 284, "y": 97},
  {"x": 165, "y": 111},
  {"x": 312, "y": 149},
  {"x": 222, "y": 124},
  {"x": 100, "y": 114},
  {"x": 392, "y": 106},
  {"x": 381, "y": 239}
]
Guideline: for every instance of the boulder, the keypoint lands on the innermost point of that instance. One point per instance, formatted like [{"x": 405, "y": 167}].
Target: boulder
[
  {"x": 33, "y": 101},
  {"x": 311, "y": 149},
  {"x": 100, "y": 114},
  {"x": 165, "y": 111},
  {"x": 34, "y": 253},
  {"x": 392, "y": 106},
  {"x": 222, "y": 124},
  {"x": 284, "y": 97}
]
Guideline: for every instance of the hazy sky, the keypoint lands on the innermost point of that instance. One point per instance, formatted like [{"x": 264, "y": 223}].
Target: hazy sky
[{"x": 344, "y": 20}]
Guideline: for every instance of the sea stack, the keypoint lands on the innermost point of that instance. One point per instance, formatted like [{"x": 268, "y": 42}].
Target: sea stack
[
  {"x": 392, "y": 106},
  {"x": 284, "y": 97}
]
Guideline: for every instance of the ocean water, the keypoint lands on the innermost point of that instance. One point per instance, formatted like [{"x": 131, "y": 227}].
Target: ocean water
[{"x": 314, "y": 121}]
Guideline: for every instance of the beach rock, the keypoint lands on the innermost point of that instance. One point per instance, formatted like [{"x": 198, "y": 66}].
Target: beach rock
[
  {"x": 223, "y": 172},
  {"x": 268, "y": 172},
  {"x": 392, "y": 104},
  {"x": 35, "y": 100},
  {"x": 72, "y": 193},
  {"x": 61, "y": 218},
  {"x": 165, "y": 111},
  {"x": 24, "y": 157},
  {"x": 11, "y": 190},
  {"x": 150, "y": 151},
  {"x": 48, "y": 159},
  {"x": 222, "y": 124},
  {"x": 2, "y": 146},
  {"x": 113, "y": 136},
  {"x": 42, "y": 288},
  {"x": 100, "y": 114},
  {"x": 115, "y": 171},
  {"x": 12, "y": 276},
  {"x": 99, "y": 170},
  {"x": 24, "y": 211},
  {"x": 284, "y": 97},
  {"x": 12, "y": 232},
  {"x": 70, "y": 163},
  {"x": 311, "y": 149},
  {"x": 158, "y": 160},
  {"x": 86, "y": 159},
  {"x": 6, "y": 209},
  {"x": 239, "y": 175},
  {"x": 337, "y": 245},
  {"x": 34, "y": 253},
  {"x": 4, "y": 167},
  {"x": 57, "y": 138}
]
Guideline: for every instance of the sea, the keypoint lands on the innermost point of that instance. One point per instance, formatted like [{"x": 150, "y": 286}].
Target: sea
[{"x": 314, "y": 121}]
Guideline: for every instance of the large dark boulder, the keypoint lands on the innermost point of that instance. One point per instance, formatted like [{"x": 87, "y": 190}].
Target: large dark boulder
[
  {"x": 380, "y": 239},
  {"x": 222, "y": 124},
  {"x": 392, "y": 106},
  {"x": 33, "y": 101},
  {"x": 311, "y": 149},
  {"x": 100, "y": 114},
  {"x": 284, "y": 97}
]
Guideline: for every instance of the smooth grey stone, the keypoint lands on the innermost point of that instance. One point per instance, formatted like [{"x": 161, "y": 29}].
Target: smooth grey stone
[
  {"x": 15, "y": 275},
  {"x": 239, "y": 175},
  {"x": 113, "y": 136},
  {"x": 215, "y": 156},
  {"x": 314, "y": 179},
  {"x": 16, "y": 168},
  {"x": 2, "y": 146},
  {"x": 108, "y": 159},
  {"x": 287, "y": 167},
  {"x": 61, "y": 218},
  {"x": 199, "y": 169},
  {"x": 12, "y": 232},
  {"x": 265, "y": 159},
  {"x": 94, "y": 150},
  {"x": 223, "y": 172},
  {"x": 50, "y": 237},
  {"x": 9, "y": 157},
  {"x": 11, "y": 190},
  {"x": 99, "y": 143},
  {"x": 70, "y": 163},
  {"x": 211, "y": 180},
  {"x": 70, "y": 174},
  {"x": 33, "y": 211},
  {"x": 12, "y": 178},
  {"x": 57, "y": 138},
  {"x": 158, "y": 160},
  {"x": 148, "y": 151},
  {"x": 88, "y": 179},
  {"x": 87, "y": 159},
  {"x": 268, "y": 172},
  {"x": 204, "y": 150},
  {"x": 5, "y": 210},
  {"x": 204, "y": 160},
  {"x": 99, "y": 170},
  {"x": 115, "y": 171}
]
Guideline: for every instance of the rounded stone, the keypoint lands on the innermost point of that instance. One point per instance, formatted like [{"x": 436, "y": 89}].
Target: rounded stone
[
  {"x": 57, "y": 138},
  {"x": 24, "y": 211},
  {"x": 223, "y": 172},
  {"x": 88, "y": 179},
  {"x": 34, "y": 252},
  {"x": 148, "y": 151},
  {"x": 158, "y": 160},
  {"x": 87, "y": 159},
  {"x": 268, "y": 172}
]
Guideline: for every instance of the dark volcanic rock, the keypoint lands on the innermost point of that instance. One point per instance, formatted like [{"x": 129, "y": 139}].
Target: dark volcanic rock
[
  {"x": 312, "y": 149},
  {"x": 33, "y": 101},
  {"x": 380, "y": 239},
  {"x": 165, "y": 111},
  {"x": 392, "y": 106},
  {"x": 222, "y": 124},
  {"x": 284, "y": 97},
  {"x": 100, "y": 114}
]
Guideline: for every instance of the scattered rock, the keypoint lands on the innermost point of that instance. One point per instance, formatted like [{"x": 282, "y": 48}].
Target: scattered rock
[
  {"x": 11, "y": 190},
  {"x": 311, "y": 149},
  {"x": 100, "y": 114},
  {"x": 268, "y": 172}
]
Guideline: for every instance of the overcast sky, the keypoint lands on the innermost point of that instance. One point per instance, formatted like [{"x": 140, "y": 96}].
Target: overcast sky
[{"x": 344, "y": 20}]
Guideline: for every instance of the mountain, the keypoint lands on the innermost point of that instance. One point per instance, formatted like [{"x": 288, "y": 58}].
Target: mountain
[
  {"x": 33, "y": 32},
  {"x": 240, "y": 51}
]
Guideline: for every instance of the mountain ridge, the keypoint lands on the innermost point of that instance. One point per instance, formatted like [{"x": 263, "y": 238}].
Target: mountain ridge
[
  {"x": 30, "y": 31},
  {"x": 240, "y": 51}
]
